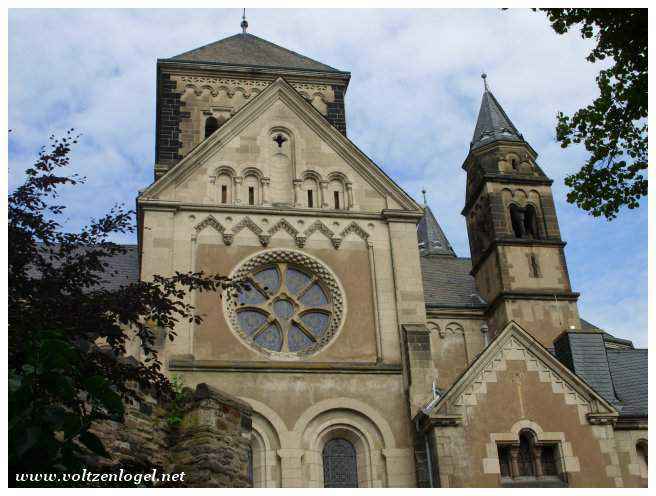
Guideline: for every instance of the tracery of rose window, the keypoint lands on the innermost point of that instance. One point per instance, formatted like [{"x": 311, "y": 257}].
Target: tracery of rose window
[{"x": 286, "y": 307}]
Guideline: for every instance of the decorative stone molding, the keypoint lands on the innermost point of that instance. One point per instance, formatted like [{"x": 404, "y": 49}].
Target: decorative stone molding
[
  {"x": 451, "y": 328},
  {"x": 356, "y": 229},
  {"x": 209, "y": 221},
  {"x": 300, "y": 240},
  {"x": 283, "y": 225},
  {"x": 321, "y": 227},
  {"x": 249, "y": 88}
]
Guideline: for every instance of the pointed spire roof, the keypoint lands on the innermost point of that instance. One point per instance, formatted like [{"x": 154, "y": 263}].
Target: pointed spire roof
[
  {"x": 493, "y": 123},
  {"x": 245, "y": 49},
  {"x": 432, "y": 240}
]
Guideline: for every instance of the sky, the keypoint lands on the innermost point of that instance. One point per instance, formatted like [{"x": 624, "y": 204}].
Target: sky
[{"x": 411, "y": 106}]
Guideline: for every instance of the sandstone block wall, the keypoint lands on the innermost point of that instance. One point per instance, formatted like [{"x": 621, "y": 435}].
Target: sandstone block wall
[{"x": 210, "y": 444}]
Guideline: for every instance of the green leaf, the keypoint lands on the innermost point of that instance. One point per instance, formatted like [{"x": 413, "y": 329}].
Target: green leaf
[{"x": 91, "y": 441}]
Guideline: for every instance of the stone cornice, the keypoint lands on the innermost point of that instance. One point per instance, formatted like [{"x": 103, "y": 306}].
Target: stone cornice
[
  {"x": 273, "y": 72},
  {"x": 531, "y": 295},
  {"x": 187, "y": 363},
  {"x": 175, "y": 206},
  {"x": 393, "y": 215}
]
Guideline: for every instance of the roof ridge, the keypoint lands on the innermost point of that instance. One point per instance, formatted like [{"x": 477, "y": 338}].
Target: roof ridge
[
  {"x": 290, "y": 51},
  {"x": 239, "y": 49}
]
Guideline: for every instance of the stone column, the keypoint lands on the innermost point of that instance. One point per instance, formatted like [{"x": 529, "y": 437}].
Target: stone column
[
  {"x": 297, "y": 192},
  {"x": 266, "y": 182},
  {"x": 349, "y": 195},
  {"x": 236, "y": 200},
  {"x": 290, "y": 466},
  {"x": 323, "y": 185}
]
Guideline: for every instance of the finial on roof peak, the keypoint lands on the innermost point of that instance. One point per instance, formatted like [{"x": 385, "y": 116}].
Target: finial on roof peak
[
  {"x": 484, "y": 76},
  {"x": 244, "y": 22},
  {"x": 423, "y": 192}
]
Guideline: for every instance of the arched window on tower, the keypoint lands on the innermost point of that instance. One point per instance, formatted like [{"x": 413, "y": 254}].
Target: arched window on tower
[
  {"x": 211, "y": 125},
  {"x": 517, "y": 220},
  {"x": 340, "y": 468},
  {"x": 531, "y": 222},
  {"x": 524, "y": 221}
]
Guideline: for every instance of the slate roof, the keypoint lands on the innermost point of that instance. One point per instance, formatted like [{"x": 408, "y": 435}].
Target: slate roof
[
  {"x": 610, "y": 340},
  {"x": 493, "y": 124},
  {"x": 628, "y": 369},
  {"x": 448, "y": 283},
  {"x": 125, "y": 265},
  {"x": 122, "y": 269},
  {"x": 245, "y": 49},
  {"x": 432, "y": 239}
]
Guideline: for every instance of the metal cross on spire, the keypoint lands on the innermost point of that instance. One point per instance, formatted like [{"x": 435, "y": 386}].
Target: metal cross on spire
[
  {"x": 244, "y": 22},
  {"x": 484, "y": 76},
  {"x": 423, "y": 192}
]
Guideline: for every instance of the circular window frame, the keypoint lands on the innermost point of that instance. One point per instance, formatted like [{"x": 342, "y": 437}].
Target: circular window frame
[{"x": 304, "y": 263}]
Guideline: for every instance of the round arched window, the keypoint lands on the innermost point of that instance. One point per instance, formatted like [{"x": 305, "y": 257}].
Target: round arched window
[{"x": 289, "y": 304}]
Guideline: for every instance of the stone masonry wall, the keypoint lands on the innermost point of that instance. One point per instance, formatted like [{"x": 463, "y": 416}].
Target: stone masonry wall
[{"x": 210, "y": 445}]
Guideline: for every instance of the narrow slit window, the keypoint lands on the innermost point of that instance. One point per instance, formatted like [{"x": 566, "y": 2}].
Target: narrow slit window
[
  {"x": 251, "y": 195},
  {"x": 336, "y": 196},
  {"x": 224, "y": 193},
  {"x": 310, "y": 198},
  {"x": 535, "y": 266}
]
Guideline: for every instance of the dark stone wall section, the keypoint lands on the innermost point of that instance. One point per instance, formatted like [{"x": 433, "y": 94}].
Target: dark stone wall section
[
  {"x": 169, "y": 114},
  {"x": 336, "y": 111},
  {"x": 210, "y": 444}
]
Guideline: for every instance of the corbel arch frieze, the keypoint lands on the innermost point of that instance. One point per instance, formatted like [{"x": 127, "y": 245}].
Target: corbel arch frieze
[
  {"x": 325, "y": 230},
  {"x": 248, "y": 223},
  {"x": 355, "y": 229}
]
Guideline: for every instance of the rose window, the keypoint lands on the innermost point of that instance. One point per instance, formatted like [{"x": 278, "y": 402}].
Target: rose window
[{"x": 289, "y": 304}]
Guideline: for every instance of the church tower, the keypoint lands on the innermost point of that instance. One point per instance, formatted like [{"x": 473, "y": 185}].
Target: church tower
[{"x": 517, "y": 252}]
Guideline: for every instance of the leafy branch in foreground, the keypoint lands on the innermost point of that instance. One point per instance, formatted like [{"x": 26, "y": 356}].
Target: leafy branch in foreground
[
  {"x": 613, "y": 128},
  {"x": 69, "y": 333}
]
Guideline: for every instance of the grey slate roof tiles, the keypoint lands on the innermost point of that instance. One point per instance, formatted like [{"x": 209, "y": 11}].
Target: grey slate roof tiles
[
  {"x": 432, "y": 239},
  {"x": 493, "y": 124},
  {"x": 448, "y": 283},
  {"x": 629, "y": 371},
  {"x": 245, "y": 49}
]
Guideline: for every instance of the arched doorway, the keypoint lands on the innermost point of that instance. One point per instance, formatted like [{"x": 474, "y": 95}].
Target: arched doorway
[{"x": 340, "y": 468}]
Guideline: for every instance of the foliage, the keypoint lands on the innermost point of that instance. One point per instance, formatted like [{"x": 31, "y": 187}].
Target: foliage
[
  {"x": 174, "y": 417},
  {"x": 67, "y": 333},
  {"x": 613, "y": 127}
]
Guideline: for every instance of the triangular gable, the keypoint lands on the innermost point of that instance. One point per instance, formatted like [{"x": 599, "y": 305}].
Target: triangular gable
[
  {"x": 514, "y": 343},
  {"x": 281, "y": 90}
]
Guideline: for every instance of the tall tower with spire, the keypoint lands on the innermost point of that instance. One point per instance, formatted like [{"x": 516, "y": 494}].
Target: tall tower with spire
[{"x": 517, "y": 252}]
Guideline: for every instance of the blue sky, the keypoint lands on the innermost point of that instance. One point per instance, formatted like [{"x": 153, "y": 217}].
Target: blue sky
[{"x": 411, "y": 106}]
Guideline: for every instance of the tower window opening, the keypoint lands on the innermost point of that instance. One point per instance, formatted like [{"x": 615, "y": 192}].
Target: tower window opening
[
  {"x": 251, "y": 195},
  {"x": 310, "y": 198},
  {"x": 524, "y": 222},
  {"x": 224, "y": 193},
  {"x": 211, "y": 125},
  {"x": 513, "y": 163},
  {"x": 336, "y": 196}
]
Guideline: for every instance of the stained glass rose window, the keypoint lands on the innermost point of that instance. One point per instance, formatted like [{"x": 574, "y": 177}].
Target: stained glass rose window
[{"x": 289, "y": 304}]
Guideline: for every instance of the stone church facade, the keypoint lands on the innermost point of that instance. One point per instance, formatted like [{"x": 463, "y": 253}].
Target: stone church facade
[{"x": 370, "y": 354}]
